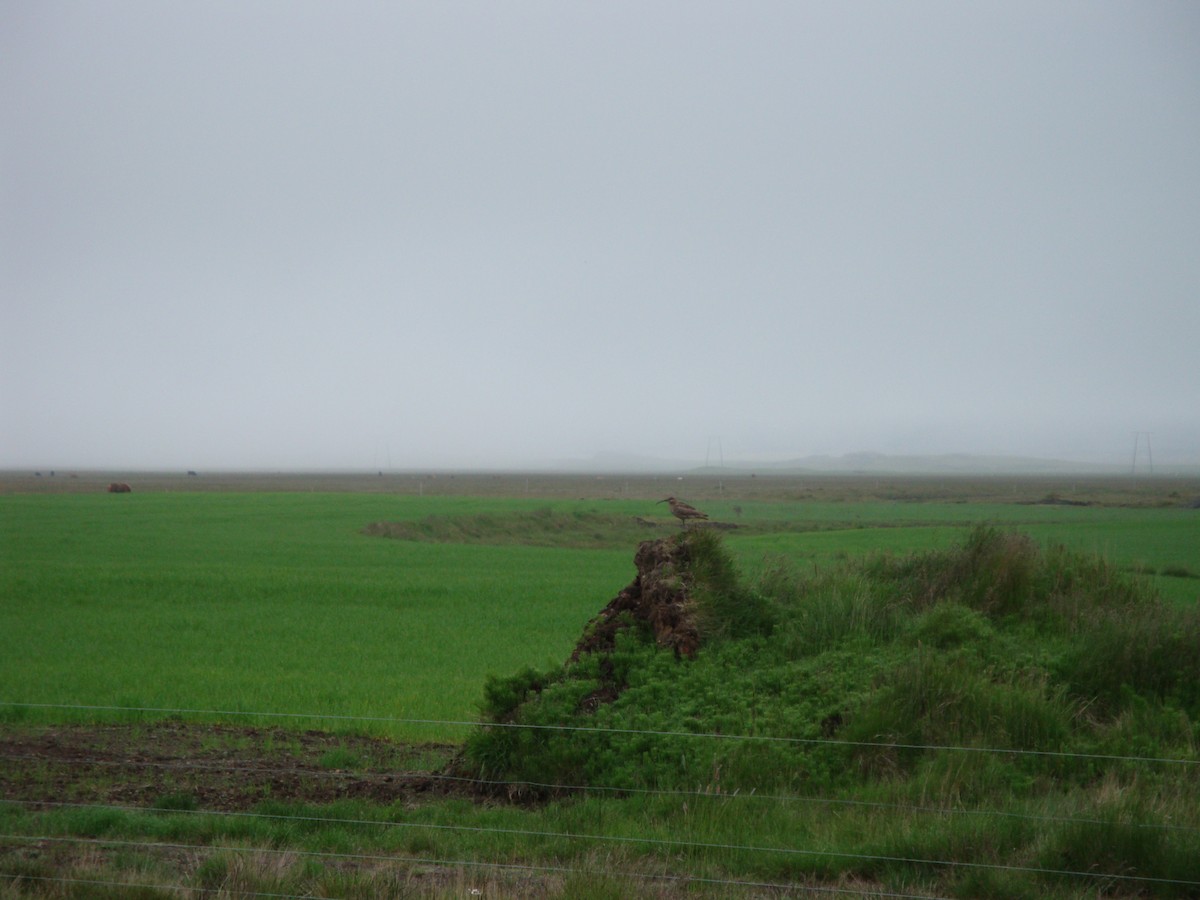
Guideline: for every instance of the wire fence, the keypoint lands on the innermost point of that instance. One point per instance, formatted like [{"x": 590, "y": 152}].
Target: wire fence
[
  {"x": 777, "y": 739},
  {"x": 671, "y": 843},
  {"x": 494, "y": 786},
  {"x": 392, "y": 859},
  {"x": 675, "y": 847}
]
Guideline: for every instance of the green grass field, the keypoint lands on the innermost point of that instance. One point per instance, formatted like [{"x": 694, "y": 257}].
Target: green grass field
[
  {"x": 297, "y": 604},
  {"x": 278, "y": 602}
]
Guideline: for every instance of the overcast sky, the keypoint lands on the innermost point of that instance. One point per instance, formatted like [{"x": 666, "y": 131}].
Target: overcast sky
[{"x": 247, "y": 233}]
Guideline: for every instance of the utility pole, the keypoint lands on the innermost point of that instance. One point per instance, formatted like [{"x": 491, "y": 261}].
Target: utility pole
[
  {"x": 720, "y": 459},
  {"x": 708, "y": 452},
  {"x": 1137, "y": 444}
]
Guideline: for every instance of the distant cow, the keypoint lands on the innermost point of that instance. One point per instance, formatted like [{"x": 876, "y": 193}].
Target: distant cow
[{"x": 119, "y": 487}]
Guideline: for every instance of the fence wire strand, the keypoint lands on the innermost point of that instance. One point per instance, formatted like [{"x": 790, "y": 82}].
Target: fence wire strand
[
  {"x": 674, "y": 844},
  {"x": 778, "y": 739},
  {"x": 462, "y": 863},
  {"x": 652, "y": 841},
  {"x": 377, "y": 777}
]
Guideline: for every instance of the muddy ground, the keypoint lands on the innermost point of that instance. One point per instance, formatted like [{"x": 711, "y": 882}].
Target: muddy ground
[{"x": 214, "y": 767}]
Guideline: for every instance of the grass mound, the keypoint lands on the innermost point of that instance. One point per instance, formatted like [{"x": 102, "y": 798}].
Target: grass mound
[
  {"x": 885, "y": 669},
  {"x": 1025, "y": 717}
]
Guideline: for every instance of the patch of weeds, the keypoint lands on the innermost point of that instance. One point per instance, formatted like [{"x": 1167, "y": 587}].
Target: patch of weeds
[
  {"x": 727, "y": 608},
  {"x": 177, "y": 802},
  {"x": 949, "y": 625},
  {"x": 97, "y": 821},
  {"x": 256, "y": 874},
  {"x": 502, "y": 695},
  {"x": 19, "y": 868},
  {"x": 420, "y": 843},
  {"x": 213, "y": 872},
  {"x": 1118, "y": 842},
  {"x": 341, "y": 758},
  {"x": 990, "y": 884},
  {"x": 13, "y": 715},
  {"x": 1156, "y": 654},
  {"x": 597, "y": 885},
  {"x": 1003, "y": 573}
]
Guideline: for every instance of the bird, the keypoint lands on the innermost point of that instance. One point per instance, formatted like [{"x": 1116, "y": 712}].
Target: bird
[{"x": 683, "y": 511}]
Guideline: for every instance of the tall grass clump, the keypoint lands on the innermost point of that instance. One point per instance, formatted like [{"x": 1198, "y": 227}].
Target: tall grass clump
[
  {"x": 829, "y": 609},
  {"x": 993, "y": 571},
  {"x": 1154, "y": 655},
  {"x": 725, "y": 607},
  {"x": 954, "y": 699},
  {"x": 1115, "y": 637},
  {"x": 1152, "y": 860}
]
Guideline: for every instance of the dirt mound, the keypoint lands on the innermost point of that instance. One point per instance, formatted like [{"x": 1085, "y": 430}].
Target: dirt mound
[{"x": 659, "y": 596}]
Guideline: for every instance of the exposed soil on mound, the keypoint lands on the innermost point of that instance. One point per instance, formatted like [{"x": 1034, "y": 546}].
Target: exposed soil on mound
[
  {"x": 173, "y": 765},
  {"x": 660, "y": 596}
]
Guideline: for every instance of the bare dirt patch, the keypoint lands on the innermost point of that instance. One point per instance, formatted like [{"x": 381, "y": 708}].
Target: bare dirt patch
[{"x": 213, "y": 767}]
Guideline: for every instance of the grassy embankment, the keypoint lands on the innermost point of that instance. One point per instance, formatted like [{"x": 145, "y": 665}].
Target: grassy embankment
[
  {"x": 246, "y": 603},
  {"x": 1008, "y": 688}
]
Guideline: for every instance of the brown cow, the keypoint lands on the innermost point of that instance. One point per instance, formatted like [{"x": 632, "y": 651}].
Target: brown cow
[{"x": 119, "y": 487}]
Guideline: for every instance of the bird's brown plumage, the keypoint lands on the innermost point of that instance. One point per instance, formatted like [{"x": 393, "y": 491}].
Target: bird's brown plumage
[{"x": 683, "y": 511}]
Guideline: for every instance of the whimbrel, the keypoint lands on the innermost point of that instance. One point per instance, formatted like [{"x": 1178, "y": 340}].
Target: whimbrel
[{"x": 683, "y": 511}]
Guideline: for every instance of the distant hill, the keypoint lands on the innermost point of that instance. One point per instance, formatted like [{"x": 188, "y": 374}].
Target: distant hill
[
  {"x": 866, "y": 463},
  {"x": 937, "y": 464}
]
